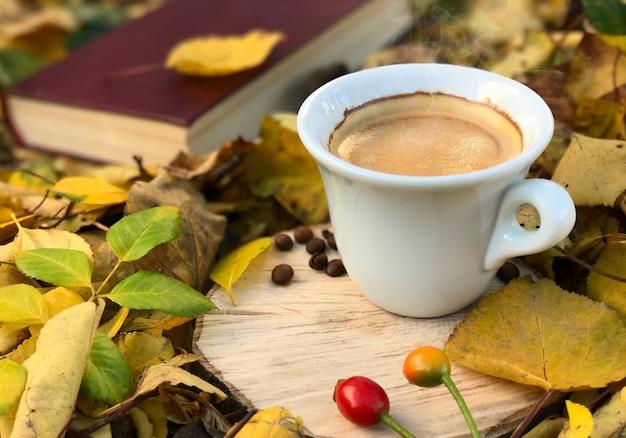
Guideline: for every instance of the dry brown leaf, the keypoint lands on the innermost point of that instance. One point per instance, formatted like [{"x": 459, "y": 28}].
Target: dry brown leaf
[
  {"x": 538, "y": 334},
  {"x": 593, "y": 171},
  {"x": 170, "y": 372},
  {"x": 190, "y": 257},
  {"x": 595, "y": 69}
]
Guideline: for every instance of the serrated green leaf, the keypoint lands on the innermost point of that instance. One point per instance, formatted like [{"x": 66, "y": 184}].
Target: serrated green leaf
[
  {"x": 61, "y": 267},
  {"x": 608, "y": 16},
  {"x": 133, "y": 236},
  {"x": 228, "y": 270},
  {"x": 107, "y": 375},
  {"x": 151, "y": 290},
  {"x": 22, "y": 304},
  {"x": 12, "y": 382}
]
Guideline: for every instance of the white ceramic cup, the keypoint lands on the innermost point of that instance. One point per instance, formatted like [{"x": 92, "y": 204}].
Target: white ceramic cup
[{"x": 428, "y": 246}]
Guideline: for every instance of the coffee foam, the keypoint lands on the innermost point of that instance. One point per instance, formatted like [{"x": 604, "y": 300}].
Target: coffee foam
[{"x": 426, "y": 134}]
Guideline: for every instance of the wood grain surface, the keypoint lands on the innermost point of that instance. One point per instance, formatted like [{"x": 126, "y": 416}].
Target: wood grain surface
[{"x": 288, "y": 346}]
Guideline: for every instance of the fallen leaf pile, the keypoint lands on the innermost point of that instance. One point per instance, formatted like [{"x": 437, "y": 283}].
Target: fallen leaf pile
[{"x": 111, "y": 238}]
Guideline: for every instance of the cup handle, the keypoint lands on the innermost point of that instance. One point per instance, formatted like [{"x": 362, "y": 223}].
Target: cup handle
[{"x": 509, "y": 239}]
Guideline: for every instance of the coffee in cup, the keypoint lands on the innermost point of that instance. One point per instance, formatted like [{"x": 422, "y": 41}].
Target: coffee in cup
[
  {"x": 425, "y": 246},
  {"x": 426, "y": 134}
]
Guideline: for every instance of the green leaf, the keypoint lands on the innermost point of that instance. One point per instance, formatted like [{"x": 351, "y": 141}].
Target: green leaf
[
  {"x": 608, "y": 16},
  {"x": 133, "y": 236},
  {"x": 61, "y": 267},
  {"x": 22, "y": 304},
  {"x": 154, "y": 291},
  {"x": 228, "y": 270},
  {"x": 107, "y": 375},
  {"x": 12, "y": 382},
  {"x": 16, "y": 65}
]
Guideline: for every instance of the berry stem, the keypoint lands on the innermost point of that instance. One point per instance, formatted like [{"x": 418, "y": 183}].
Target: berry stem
[
  {"x": 447, "y": 380},
  {"x": 385, "y": 418}
]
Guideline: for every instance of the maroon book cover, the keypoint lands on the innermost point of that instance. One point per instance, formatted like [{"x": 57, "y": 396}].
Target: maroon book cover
[{"x": 119, "y": 71}]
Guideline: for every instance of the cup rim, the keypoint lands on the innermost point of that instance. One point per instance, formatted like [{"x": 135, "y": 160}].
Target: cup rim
[{"x": 317, "y": 103}]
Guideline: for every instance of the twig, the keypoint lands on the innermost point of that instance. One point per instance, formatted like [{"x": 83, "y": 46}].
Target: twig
[
  {"x": 583, "y": 263},
  {"x": 521, "y": 428},
  {"x": 237, "y": 428}
]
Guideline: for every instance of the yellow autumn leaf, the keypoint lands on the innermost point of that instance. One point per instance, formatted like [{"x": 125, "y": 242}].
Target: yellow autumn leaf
[
  {"x": 151, "y": 320},
  {"x": 61, "y": 298},
  {"x": 87, "y": 190},
  {"x": 150, "y": 419},
  {"x": 593, "y": 171},
  {"x": 11, "y": 335},
  {"x": 12, "y": 382},
  {"x": 228, "y": 270},
  {"x": 22, "y": 304},
  {"x": 537, "y": 48},
  {"x": 612, "y": 260},
  {"x": 143, "y": 349},
  {"x": 215, "y": 55},
  {"x": 27, "y": 239},
  {"x": 616, "y": 41},
  {"x": 538, "y": 334},
  {"x": 610, "y": 418},
  {"x": 281, "y": 167},
  {"x": 114, "y": 324},
  {"x": 37, "y": 176},
  {"x": 580, "y": 421},
  {"x": 55, "y": 371},
  {"x": 600, "y": 118},
  {"x": 272, "y": 422}
]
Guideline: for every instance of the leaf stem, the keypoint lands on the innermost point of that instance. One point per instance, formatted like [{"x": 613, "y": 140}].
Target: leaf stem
[
  {"x": 385, "y": 418},
  {"x": 447, "y": 380},
  {"x": 108, "y": 277}
]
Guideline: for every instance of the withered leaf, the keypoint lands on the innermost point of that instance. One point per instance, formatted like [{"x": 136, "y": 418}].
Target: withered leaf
[
  {"x": 602, "y": 288},
  {"x": 190, "y": 257},
  {"x": 593, "y": 171},
  {"x": 591, "y": 65},
  {"x": 538, "y": 334},
  {"x": 169, "y": 371}
]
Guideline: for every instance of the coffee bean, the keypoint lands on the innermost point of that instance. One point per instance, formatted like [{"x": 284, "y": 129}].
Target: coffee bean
[
  {"x": 302, "y": 233},
  {"x": 282, "y": 274},
  {"x": 283, "y": 242},
  {"x": 507, "y": 272},
  {"x": 330, "y": 239},
  {"x": 315, "y": 244},
  {"x": 335, "y": 268},
  {"x": 318, "y": 261}
]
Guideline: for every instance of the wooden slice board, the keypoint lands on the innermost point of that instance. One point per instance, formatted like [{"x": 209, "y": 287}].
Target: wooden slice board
[{"x": 289, "y": 345}]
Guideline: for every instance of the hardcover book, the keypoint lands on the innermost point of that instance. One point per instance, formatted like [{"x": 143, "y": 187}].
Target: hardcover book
[{"x": 98, "y": 104}]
